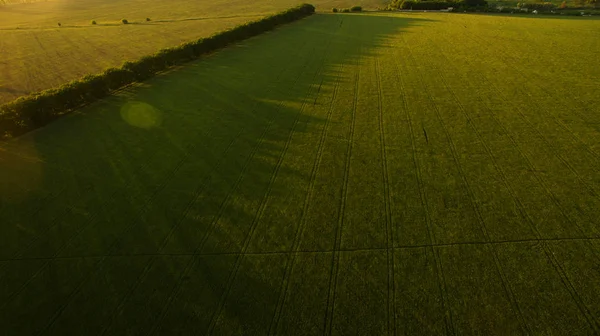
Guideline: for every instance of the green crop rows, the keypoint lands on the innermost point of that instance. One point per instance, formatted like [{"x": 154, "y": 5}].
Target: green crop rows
[{"x": 347, "y": 174}]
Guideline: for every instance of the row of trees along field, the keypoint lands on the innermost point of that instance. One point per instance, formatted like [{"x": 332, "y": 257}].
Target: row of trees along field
[
  {"x": 564, "y": 5},
  {"x": 482, "y": 5},
  {"x": 435, "y": 5}
]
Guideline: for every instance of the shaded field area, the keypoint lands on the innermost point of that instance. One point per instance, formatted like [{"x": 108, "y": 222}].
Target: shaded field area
[
  {"x": 36, "y": 54},
  {"x": 346, "y": 174}
]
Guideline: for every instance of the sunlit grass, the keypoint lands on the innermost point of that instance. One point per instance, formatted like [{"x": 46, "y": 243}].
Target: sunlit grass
[{"x": 347, "y": 174}]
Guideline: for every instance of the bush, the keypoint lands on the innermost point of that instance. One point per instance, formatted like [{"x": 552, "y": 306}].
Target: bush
[
  {"x": 426, "y": 5},
  {"x": 93, "y": 22},
  {"x": 356, "y": 9},
  {"x": 27, "y": 113},
  {"x": 335, "y": 10},
  {"x": 346, "y": 10},
  {"x": 472, "y": 3},
  {"x": 59, "y": 24},
  {"x": 125, "y": 21},
  {"x": 148, "y": 20},
  {"x": 539, "y": 6}
]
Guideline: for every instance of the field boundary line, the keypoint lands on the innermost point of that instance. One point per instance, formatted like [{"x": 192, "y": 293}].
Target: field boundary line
[
  {"x": 307, "y": 201},
  {"x": 378, "y": 249},
  {"x": 389, "y": 233},
  {"x": 438, "y": 266}
]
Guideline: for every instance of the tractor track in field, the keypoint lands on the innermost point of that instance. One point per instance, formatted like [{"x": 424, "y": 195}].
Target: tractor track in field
[
  {"x": 264, "y": 201},
  {"x": 335, "y": 259},
  {"x": 530, "y": 164},
  {"x": 306, "y": 207},
  {"x": 101, "y": 264},
  {"x": 563, "y": 276},
  {"x": 260, "y": 211},
  {"x": 505, "y": 284},
  {"x": 307, "y": 200},
  {"x": 272, "y": 207},
  {"x": 91, "y": 221},
  {"x": 389, "y": 228},
  {"x": 150, "y": 264},
  {"x": 554, "y": 117},
  {"x": 438, "y": 264},
  {"x": 223, "y": 206},
  {"x": 69, "y": 208}
]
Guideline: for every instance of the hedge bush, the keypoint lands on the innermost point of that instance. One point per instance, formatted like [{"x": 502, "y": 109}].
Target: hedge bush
[
  {"x": 426, "y": 5},
  {"x": 30, "y": 112},
  {"x": 438, "y": 5},
  {"x": 356, "y": 9},
  {"x": 539, "y": 6}
]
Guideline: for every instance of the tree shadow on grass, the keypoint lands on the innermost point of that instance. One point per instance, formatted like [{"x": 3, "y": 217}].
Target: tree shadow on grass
[{"x": 204, "y": 161}]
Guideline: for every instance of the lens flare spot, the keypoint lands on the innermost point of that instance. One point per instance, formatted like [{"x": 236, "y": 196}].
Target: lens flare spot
[{"x": 140, "y": 114}]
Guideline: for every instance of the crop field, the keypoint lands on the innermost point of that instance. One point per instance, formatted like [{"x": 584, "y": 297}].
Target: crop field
[
  {"x": 363, "y": 174},
  {"x": 36, "y": 54}
]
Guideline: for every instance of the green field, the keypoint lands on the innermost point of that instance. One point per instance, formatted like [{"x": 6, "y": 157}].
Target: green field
[
  {"x": 36, "y": 54},
  {"x": 374, "y": 174}
]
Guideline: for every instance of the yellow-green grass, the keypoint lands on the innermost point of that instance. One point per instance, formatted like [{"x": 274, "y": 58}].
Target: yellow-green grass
[
  {"x": 346, "y": 174},
  {"x": 37, "y": 54}
]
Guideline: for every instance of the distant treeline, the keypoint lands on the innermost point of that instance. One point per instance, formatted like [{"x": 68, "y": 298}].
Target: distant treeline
[
  {"x": 482, "y": 6},
  {"x": 30, "y": 112},
  {"x": 435, "y": 5}
]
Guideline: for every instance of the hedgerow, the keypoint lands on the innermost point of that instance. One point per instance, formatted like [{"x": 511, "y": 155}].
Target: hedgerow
[
  {"x": 36, "y": 110},
  {"x": 426, "y": 5},
  {"x": 540, "y": 6}
]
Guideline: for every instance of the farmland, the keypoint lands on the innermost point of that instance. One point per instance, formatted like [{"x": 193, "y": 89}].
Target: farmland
[
  {"x": 422, "y": 173},
  {"x": 36, "y": 54}
]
